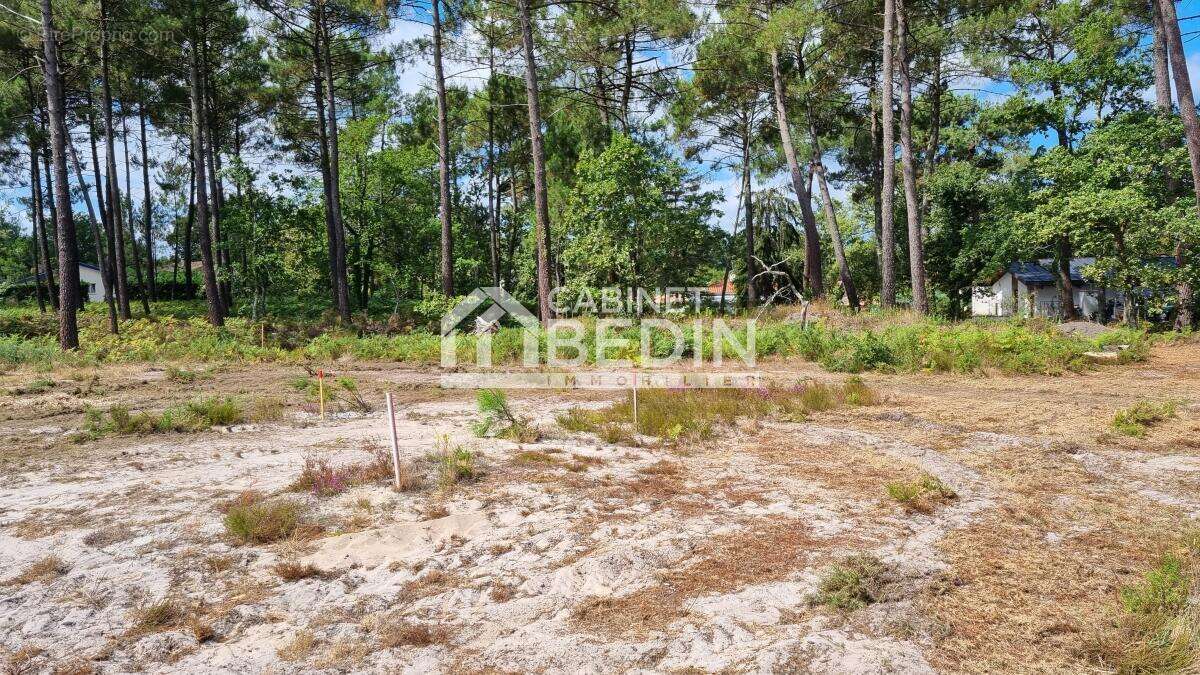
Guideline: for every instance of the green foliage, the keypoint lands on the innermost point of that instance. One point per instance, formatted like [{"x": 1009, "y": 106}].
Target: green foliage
[
  {"x": 1159, "y": 630},
  {"x": 196, "y": 415},
  {"x": 627, "y": 221},
  {"x": 499, "y": 419},
  {"x": 456, "y": 464},
  {"x": 852, "y": 584},
  {"x": 1139, "y": 418},
  {"x": 263, "y": 522},
  {"x": 671, "y": 414},
  {"x": 921, "y": 494}
]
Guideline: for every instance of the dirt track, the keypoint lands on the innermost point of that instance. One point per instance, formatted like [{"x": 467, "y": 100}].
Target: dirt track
[{"x": 601, "y": 558}]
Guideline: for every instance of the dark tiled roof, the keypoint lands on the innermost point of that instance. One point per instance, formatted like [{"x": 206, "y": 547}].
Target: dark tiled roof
[
  {"x": 1031, "y": 273},
  {"x": 1042, "y": 272}
]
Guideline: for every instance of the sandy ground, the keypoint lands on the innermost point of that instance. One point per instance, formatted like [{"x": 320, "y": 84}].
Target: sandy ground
[{"x": 593, "y": 557}]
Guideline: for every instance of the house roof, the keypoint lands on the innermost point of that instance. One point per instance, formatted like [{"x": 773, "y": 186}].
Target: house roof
[{"x": 1042, "y": 273}]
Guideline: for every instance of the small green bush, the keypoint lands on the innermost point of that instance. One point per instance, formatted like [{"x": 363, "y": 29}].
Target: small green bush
[
  {"x": 1138, "y": 419},
  {"x": 852, "y": 584},
  {"x": 455, "y": 464},
  {"x": 262, "y": 522},
  {"x": 921, "y": 494}
]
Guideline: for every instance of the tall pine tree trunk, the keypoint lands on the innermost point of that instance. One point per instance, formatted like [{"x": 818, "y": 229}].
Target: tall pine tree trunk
[
  {"x": 813, "y": 274},
  {"x": 908, "y": 166},
  {"x": 541, "y": 206},
  {"x": 335, "y": 199},
  {"x": 137, "y": 256},
  {"x": 68, "y": 254},
  {"x": 188, "y": 281},
  {"x": 439, "y": 81},
  {"x": 147, "y": 209},
  {"x": 887, "y": 191},
  {"x": 115, "y": 219},
  {"x": 493, "y": 196},
  {"x": 748, "y": 204},
  {"x": 101, "y": 261},
  {"x": 818, "y": 169},
  {"x": 1191, "y": 127},
  {"x": 216, "y": 309},
  {"x": 110, "y": 253},
  {"x": 41, "y": 239}
]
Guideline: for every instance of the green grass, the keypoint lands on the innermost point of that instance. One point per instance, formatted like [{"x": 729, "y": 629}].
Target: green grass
[
  {"x": 1158, "y": 629},
  {"x": 456, "y": 464},
  {"x": 921, "y": 494},
  {"x": 177, "y": 334},
  {"x": 196, "y": 415},
  {"x": 696, "y": 413},
  {"x": 253, "y": 521},
  {"x": 498, "y": 419},
  {"x": 852, "y": 584},
  {"x": 1142, "y": 416}
]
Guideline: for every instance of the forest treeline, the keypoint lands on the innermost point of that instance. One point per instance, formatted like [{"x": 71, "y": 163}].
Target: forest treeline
[{"x": 884, "y": 152}]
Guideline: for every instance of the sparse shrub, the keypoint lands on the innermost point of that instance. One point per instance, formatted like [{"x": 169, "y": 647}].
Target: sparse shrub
[
  {"x": 534, "y": 457},
  {"x": 45, "y": 570},
  {"x": 1159, "y": 630},
  {"x": 180, "y": 375},
  {"x": 853, "y": 584},
  {"x": 455, "y": 464},
  {"x": 38, "y": 385},
  {"x": 672, "y": 414},
  {"x": 394, "y": 634},
  {"x": 342, "y": 391},
  {"x": 197, "y": 415},
  {"x": 262, "y": 522},
  {"x": 290, "y": 570},
  {"x": 323, "y": 479},
  {"x": 1138, "y": 419},
  {"x": 499, "y": 419},
  {"x": 265, "y": 409},
  {"x": 157, "y": 616},
  {"x": 922, "y": 494}
]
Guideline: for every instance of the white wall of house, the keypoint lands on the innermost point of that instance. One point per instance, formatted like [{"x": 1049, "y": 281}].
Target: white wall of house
[
  {"x": 997, "y": 299},
  {"x": 90, "y": 278}
]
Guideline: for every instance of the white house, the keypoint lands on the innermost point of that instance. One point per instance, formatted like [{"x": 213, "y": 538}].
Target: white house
[
  {"x": 1029, "y": 289},
  {"x": 90, "y": 282}
]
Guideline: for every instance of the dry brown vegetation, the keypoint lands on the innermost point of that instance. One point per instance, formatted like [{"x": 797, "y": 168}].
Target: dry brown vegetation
[
  {"x": 45, "y": 570},
  {"x": 1036, "y": 538},
  {"x": 765, "y": 550}
]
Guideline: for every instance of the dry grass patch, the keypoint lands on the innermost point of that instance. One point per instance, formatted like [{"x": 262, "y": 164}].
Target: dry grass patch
[
  {"x": 159, "y": 616},
  {"x": 673, "y": 414},
  {"x": 300, "y": 648},
  {"x": 1018, "y": 598},
  {"x": 853, "y": 583},
  {"x": 432, "y": 582},
  {"x": 254, "y": 521},
  {"x": 766, "y": 551},
  {"x": 396, "y": 632},
  {"x": 343, "y": 655},
  {"x": 921, "y": 495},
  {"x": 323, "y": 479},
  {"x": 45, "y": 570},
  {"x": 1138, "y": 419},
  {"x": 108, "y": 536},
  {"x": 291, "y": 570},
  {"x": 1158, "y": 630}
]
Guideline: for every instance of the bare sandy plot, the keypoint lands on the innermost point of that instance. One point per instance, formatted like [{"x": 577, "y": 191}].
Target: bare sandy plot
[{"x": 572, "y": 554}]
